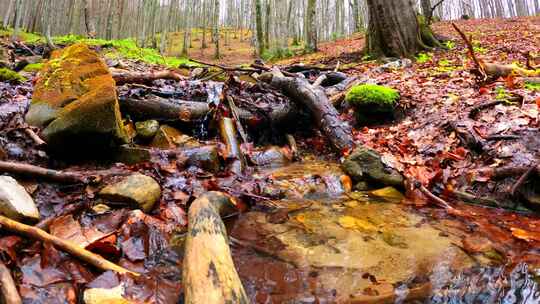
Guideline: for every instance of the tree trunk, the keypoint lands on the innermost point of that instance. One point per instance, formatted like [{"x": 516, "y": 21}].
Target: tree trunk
[
  {"x": 258, "y": 22},
  {"x": 216, "y": 29},
  {"x": 7, "y": 15},
  {"x": 89, "y": 19},
  {"x": 393, "y": 29},
  {"x": 311, "y": 28}
]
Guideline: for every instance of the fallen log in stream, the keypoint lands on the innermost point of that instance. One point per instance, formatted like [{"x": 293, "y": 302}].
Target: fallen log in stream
[
  {"x": 314, "y": 98},
  {"x": 209, "y": 274}
]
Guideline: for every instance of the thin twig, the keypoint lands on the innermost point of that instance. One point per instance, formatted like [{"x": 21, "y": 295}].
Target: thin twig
[
  {"x": 523, "y": 178},
  {"x": 39, "y": 142},
  {"x": 35, "y": 171},
  {"x": 439, "y": 201},
  {"x": 67, "y": 246}
]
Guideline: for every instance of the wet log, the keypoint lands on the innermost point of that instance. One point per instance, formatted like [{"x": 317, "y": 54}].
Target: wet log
[
  {"x": 154, "y": 107},
  {"x": 123, "y": 76},
  {"x": 209, "y": 273},
  {"x": 44, "y": 173},
  {"x": 227, "y": 132},
  {"x": 69, "y": 247},
  {"x": 8, "y": 289},
  {"x": 505, "y": 171},
  {"x": 314, "y": 98}
]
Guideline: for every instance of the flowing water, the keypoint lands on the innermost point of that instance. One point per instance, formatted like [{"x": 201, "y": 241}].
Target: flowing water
[{"x": 324, "y": 244}]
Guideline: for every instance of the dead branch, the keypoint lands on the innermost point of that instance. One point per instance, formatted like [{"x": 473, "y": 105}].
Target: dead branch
[
  {"x": 485, "y": 105},
  {"x": 209, "y": 274},
  {"x": 314, "y": 98},
  {"x": 225, "y": 68},
  {"x": 39, "y": 172},
  {"x": 7, "y": 286},
  {"x": 523, "y": 178},
  {"x": 122, "y": 76},
  {"x": 504, "y": 172},
  {"x": 439, "y": 201},
  {"x": 69, "y": 247},
  {"x": 37, "y": 140},
  {"x": 227, "y": 133},
  {"x": 479, "y": 63}
]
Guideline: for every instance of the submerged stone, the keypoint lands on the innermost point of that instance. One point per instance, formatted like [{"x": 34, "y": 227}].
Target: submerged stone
[
  {"x": 366, "y": 164},
  {"x": 15, "y": 202},
  {"x": 75, "y": 102},
  {"x": 168, "y": 137},
  {"x": 137, "y": 189},
  {"x": 147, "y": 129}
]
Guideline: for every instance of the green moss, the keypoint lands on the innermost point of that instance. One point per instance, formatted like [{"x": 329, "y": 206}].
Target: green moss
[
  {"x": 423, "y": 57},
  {"x": 372, "y": 99},
  {"x": 277, "y": 54},
  {"x": 11, "y": 76},
  {"x": 33, "y": 67},
  {"x": 450, "y": 45},
  {"x": 532, "y": 86}
]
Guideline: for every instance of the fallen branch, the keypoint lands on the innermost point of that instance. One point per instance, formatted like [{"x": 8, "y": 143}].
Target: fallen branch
[
  {"x": 122, "y": 76},
  {"x": 439, "y": 201},
  {"x": 324, "y": 114},
  {"x": 485, "y": 105},
  {"x": 523, "y": 178},
  {"x": 506, "y": 171},
  {"x": 7, "y": 286},
  {"x": 227, "y": 132},
  {"x": 209, "y": 274},
  {"x": 225, "y": 68},
  {"x": 39, "y": 172},
  {"x": 69, "y": 247},
  {"x": 37, "y": 140}
]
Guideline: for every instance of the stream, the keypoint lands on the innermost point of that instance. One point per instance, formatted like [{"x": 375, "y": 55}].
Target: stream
[{"x": 324, "y": 244}]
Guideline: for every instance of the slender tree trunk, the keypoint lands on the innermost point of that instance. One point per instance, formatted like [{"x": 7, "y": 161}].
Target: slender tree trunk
[
  {"x": 259, "y": 27},
  {"x": 217, "y": 54},
  {"x": 267, "y": 25},
  {"x": 89, "y": 19},
  {"x": 311, "y": 29},
  {"x": 393, "y": 29},
  {"x": 7, "y": 15}
]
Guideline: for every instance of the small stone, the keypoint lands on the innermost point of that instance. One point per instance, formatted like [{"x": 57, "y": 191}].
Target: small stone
[
  {"x": 366, "y": 165},
  {"x": 168, "y": 137},
  {"x": 196, "y": 72},
  {"x": 15, "y": 202},
  {"x": 137, "y": 189},
  {"x": 147, "y": 129},
  {"x": 131, "y": 155}
]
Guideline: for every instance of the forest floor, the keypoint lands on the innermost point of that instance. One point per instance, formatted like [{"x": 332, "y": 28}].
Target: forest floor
[{"x": 428, "y": 141}]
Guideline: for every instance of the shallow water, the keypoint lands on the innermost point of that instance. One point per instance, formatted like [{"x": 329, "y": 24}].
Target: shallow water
[{"x": 327, "y": 245}]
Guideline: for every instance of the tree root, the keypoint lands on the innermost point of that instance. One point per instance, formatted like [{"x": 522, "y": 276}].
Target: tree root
[
  {"x": 69, "y": 247},
  {"x": 7, "y": 286},
  {"x": 39, "y": 172}
]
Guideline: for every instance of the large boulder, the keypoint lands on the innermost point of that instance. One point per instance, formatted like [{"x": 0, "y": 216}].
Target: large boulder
[
  {"x": 75, "y": 102},
  {"x": 366, "y": 165},
  {"x": 15, "y": 202}
]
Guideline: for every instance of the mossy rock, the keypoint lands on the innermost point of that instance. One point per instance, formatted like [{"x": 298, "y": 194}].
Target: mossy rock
[
  {"x": 366, "y": 165},
  {"x": 75, "y": 102},
  {"x": 8, "y": 75},
  {"x": 368, "y": 99}
]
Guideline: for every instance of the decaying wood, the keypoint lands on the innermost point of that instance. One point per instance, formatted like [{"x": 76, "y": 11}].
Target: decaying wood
[
  {"x": 209, "y": 275},
  {"x": 227, "y": 132},
  {"x": 7, "y": 286},
  {"x": 487, "y": 70},
  {"x": 224, "y": 67},
  {"x": 123, "y": 76},
  {"x": 39, "y": 172},
  {"x": 67, "y": 246},
  {"x": 314, "y": 98},
  {"x": 236, "y": 116}
]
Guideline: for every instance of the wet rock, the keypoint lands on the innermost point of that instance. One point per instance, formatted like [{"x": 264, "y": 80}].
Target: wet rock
[
  {"x": 168, "y": 137},
  {"x": 130, "y": 155},
  {"x": 366, "y": 165},
  {"x": 205, "y": 157},
  {"x": 15, "y": 202},
  {"x": 147, "y": 129},
  {"x": 273, "y": 156},
  {"x": 10, "y": 76},
  {"x": 138, "y": 189},
  {"x": 75, "y": 102}
]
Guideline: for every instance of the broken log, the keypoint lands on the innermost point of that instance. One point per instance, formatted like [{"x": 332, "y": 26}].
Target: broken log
[
  {"x": 8, "y": 289},
  {"x": 67, "y": 246},
  {"x": 209, "y": 274},
  {"x": 37, "y": 140},
  {"x": 39, "y": 172},
  {"x": 313, "y": 97},
  {"x": 122, "y": 76}
]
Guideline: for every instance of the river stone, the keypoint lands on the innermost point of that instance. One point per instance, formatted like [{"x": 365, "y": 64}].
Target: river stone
[
  {"x": 366, "y": 164},
  {"x": 75, "y": 102},
  {"x": 15, "y": 202},
  {"x": 147, "y": 129},
  {"x": 105, "y": 295},
  {"x": 138, "y": 189}
]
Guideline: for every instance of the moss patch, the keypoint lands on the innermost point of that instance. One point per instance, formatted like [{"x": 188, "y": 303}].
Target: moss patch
[
  {"x": 532, "y": 86},
  {"x": 33, "y": 67},
  {"x": 368, "y": 99},
  {"x": 11, "y": 76}
]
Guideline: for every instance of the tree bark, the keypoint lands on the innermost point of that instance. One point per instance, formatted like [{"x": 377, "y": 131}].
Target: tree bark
[
  {"x": 258, "y": 25},
  {"x": 311, "y": 28},
  {"x": 8, "y": 289},
  {"x": 393, "y": 29}
]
